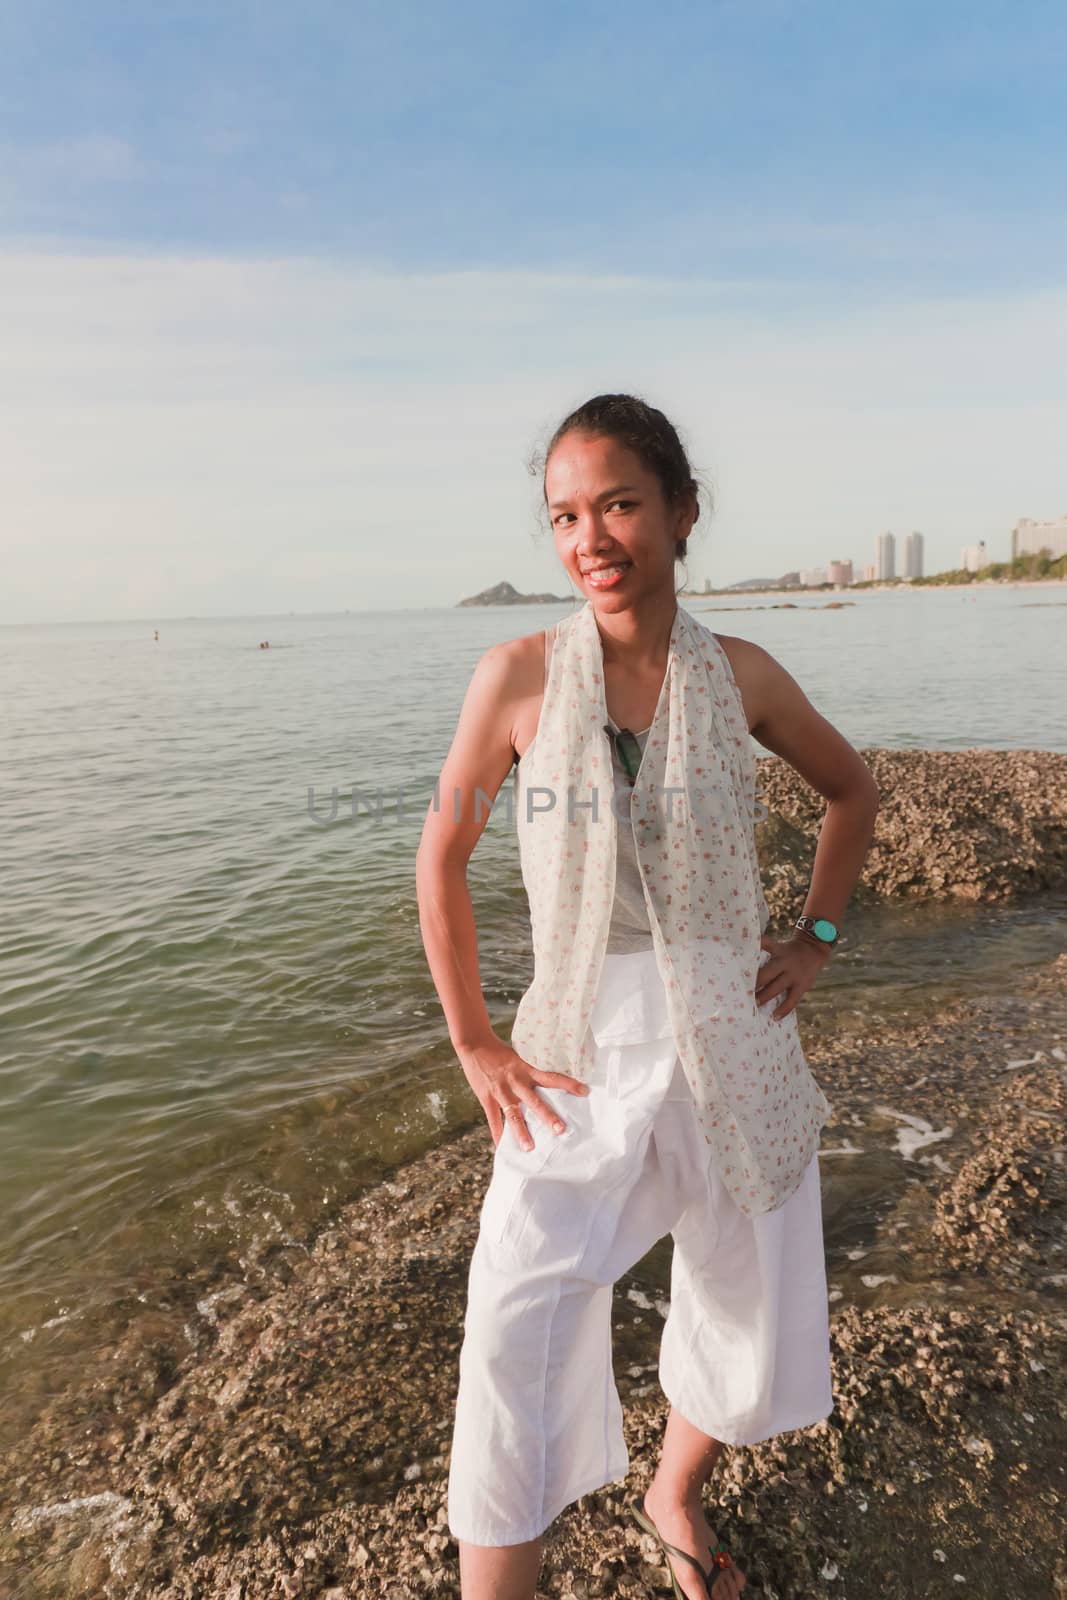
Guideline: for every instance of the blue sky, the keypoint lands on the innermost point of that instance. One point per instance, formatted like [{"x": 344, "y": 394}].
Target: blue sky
[{"x": 342, "y": 265}]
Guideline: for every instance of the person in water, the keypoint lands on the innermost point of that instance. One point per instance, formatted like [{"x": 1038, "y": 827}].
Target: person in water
[{"x": 654, "y": 1082}]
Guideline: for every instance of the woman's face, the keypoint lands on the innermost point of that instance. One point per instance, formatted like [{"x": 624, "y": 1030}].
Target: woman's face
[{"x": 609, "y": 512}]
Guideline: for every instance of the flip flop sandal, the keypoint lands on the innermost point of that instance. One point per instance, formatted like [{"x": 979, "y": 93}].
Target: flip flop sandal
[{"x": 719, "y": 1556}]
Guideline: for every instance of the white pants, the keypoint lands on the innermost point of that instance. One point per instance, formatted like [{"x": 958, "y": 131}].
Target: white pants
[{"x": 745, "y": 1350}]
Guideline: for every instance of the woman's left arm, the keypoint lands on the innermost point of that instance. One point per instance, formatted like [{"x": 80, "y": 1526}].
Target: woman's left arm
[{"x": 784, "y": 721}]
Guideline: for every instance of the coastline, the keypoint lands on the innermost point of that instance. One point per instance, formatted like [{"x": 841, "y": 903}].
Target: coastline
[
  {"x": 287, "y": 1432},
  {"x": 899, "y": 586}
]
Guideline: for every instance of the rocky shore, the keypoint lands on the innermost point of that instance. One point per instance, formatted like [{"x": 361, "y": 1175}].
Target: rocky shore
[
  {"x": 980, "y": 826},
  {"x": 284, "y": 1431}
]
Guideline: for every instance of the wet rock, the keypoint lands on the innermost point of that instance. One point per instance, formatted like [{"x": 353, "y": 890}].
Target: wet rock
[
  {"x": 980, "y": 825},
  {"x": 985, "y": 1215}
]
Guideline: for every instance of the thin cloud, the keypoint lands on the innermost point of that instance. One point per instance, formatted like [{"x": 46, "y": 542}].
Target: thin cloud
[{"x": 174, "y": 426}]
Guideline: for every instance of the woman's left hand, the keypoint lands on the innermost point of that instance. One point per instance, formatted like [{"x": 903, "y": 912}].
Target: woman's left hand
[{"x": 794, "y": 966}]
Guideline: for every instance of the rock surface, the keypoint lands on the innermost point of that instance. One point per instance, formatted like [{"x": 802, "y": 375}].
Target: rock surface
[{"x": 972, "y": 825}]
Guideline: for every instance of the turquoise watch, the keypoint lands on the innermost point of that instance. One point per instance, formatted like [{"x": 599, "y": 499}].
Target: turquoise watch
[{"x": 823, "y": 930}]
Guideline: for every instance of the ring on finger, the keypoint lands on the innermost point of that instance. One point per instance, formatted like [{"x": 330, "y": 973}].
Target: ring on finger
[{"x": 522, "y": 1132}]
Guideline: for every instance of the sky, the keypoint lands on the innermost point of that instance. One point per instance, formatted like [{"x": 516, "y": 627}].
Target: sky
[{"x": 290, "y": 295}]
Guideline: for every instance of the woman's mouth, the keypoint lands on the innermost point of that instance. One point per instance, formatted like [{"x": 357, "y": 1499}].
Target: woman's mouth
[{"x": 606, "y": 577}]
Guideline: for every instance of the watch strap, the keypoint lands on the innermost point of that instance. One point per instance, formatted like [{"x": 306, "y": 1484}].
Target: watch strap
[{"x": 820, "y": 928}]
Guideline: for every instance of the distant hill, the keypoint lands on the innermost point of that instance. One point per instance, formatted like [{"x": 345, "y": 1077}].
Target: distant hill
[
  {"x": 753, "y": 583},
  {"x": 503, "y": 594}
]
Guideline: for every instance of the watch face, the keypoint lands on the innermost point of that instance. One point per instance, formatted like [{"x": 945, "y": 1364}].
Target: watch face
[{"x": 824, "y": 930}]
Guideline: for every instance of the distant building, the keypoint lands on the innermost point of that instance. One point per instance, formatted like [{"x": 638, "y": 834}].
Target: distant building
[
  {"x": 1029, "y": 538},
  {"x": 886, "y": 556},
  {"x": 707, "y": 585},
  {"x": 840, "y": 572},
  {"x": 812, "y": 577},
  {"x": 973, "y": 557},
  {"x": 913, "y": 555},
  {"x": 869, "y": 574}
]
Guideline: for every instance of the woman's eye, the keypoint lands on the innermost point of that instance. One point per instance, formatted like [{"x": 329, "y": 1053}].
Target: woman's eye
[{"x": 564, "y": 515}]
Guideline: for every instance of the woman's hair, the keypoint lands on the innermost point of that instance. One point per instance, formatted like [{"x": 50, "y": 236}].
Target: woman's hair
[{"x": 642, "y": 429}]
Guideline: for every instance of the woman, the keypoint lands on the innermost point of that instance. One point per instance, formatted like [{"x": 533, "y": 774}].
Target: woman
[{"x": 654, "y": 1081}]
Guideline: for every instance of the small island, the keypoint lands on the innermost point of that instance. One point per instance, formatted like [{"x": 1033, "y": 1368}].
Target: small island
[{"x": 504, "y": 594}]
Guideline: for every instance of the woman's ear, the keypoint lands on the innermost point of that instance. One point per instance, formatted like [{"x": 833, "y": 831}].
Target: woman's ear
[{"x": 689, "y": 513}]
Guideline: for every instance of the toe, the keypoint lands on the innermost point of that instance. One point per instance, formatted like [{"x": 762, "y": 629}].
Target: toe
[{"x": 727, "y": 1586}]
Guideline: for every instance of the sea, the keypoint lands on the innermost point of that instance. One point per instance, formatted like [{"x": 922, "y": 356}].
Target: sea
[{"x": 217, "y": 1024}]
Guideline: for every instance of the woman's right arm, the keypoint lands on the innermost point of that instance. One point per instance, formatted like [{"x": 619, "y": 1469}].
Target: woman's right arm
[{"x": 479, "y": 759}]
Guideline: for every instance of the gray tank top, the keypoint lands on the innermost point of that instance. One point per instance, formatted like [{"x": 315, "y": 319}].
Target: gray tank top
[{"x": 630, "y": 928}]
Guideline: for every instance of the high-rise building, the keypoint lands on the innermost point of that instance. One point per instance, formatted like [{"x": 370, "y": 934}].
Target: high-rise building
[
  {"x": 973, "y": 557},
  {"x": 869, "y": 573},
  {"x": 913, "y": 555},
  {"x": 1029, "y": 538},
  {"x": 886, "y": 556},
  {"x": 839, "y": 572}
]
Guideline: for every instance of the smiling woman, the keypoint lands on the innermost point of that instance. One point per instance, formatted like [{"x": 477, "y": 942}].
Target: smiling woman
[
  {"x": 663, "y": 1075},
  {"x": 619, "y": 422}
]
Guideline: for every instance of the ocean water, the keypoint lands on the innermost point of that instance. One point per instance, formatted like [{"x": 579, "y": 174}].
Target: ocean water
[{"x": 216, "y": 1018}]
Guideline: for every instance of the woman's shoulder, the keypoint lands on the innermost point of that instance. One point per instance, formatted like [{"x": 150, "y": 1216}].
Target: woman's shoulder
[
  {"x": 516, "y": 668},
  {"x": 738, "y": 652},
  {"x": 522, "y": 658},
  {"x": 748, "y": 663}
]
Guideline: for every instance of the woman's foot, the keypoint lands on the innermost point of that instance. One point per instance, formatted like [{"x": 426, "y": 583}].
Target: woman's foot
[{"x": 686, "y": 1526}]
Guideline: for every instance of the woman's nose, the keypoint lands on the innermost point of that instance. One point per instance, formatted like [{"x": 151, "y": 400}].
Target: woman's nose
[{"x": 591, "y": 534}]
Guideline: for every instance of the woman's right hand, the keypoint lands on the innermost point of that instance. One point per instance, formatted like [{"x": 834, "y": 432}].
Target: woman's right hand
[{"x": 501, "y": 1078}]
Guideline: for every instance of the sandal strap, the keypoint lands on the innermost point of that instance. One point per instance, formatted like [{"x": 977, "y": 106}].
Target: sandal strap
[
  {"x": 693, "y": 1562},
  {"x": 708, "y": 1575}
]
